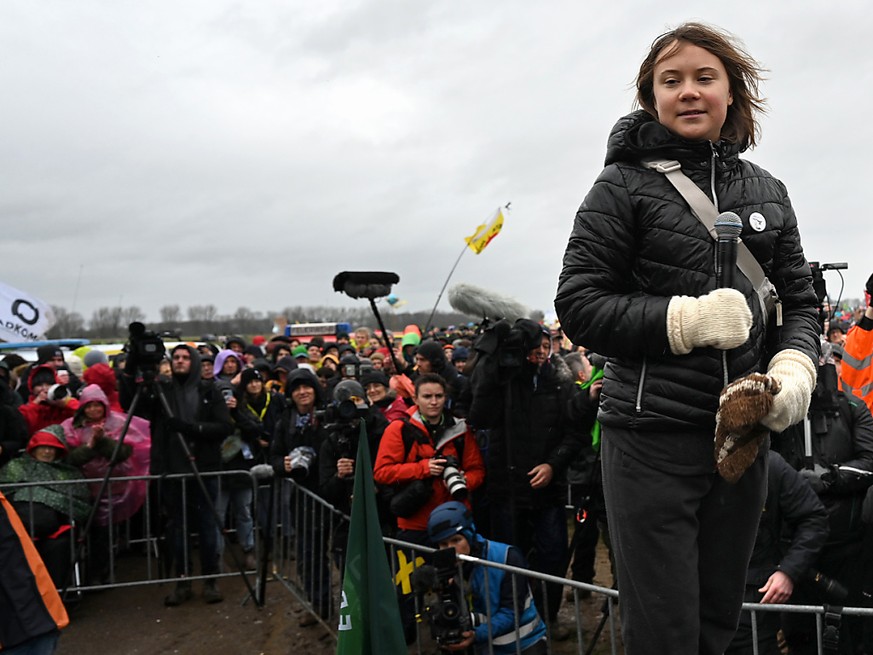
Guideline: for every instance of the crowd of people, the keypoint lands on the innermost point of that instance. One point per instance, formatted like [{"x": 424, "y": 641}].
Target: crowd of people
[{"x": 498, "y": 422}]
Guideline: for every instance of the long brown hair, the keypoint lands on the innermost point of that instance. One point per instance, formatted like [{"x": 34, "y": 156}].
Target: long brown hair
[{"x": 745, "y": 74}]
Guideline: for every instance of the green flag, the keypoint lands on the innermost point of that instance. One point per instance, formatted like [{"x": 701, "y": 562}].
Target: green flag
[{"x": 369, "y": 622}]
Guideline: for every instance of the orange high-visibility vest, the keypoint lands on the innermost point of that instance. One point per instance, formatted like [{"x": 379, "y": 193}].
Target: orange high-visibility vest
[
  {"x": 856, "y": 375},
  {"x": 32, "y": 606}
]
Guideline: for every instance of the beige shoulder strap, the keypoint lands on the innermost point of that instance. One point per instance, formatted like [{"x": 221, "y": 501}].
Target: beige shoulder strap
[{"x": 705, "y": 211}]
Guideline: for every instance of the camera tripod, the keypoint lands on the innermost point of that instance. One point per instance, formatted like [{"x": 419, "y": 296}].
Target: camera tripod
[{"x": 149, "y": 382}]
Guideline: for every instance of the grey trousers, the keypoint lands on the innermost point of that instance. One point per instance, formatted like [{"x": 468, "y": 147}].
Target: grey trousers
[{"x": 682, "y": 546}]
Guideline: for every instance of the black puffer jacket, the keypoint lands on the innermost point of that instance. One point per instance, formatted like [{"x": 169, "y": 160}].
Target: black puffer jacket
[
  {"x": 540, "y": 432},
  {"x": 792, "y": 509},
  {"x": 635, "y": 244}
]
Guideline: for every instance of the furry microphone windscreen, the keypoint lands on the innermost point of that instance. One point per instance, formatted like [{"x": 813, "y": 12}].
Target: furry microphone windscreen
[{"x": 475, "y": 301}]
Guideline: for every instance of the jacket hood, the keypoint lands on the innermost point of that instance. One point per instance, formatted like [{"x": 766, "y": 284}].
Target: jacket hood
[
  {"x": 101, "y": 375},
  {"x": 193, "y": 377},
  {"x": 304, "y": 376},
  {"x": 93, "y": 393},
  {"x": 52, "y": 435},
  {"x": 640, "y": 136},
  {"x": 36, "y": 370},
  {"x": 222, "y": 356}
]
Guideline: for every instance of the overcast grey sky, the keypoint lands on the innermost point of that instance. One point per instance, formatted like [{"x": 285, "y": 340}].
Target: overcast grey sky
[{"x": 241, "y": 154}]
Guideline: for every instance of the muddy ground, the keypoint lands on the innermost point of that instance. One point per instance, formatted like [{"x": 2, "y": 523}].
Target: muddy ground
[{"x": 134, "y": 621}]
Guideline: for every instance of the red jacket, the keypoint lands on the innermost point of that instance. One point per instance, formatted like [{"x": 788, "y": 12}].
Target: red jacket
[
  {"x": 41, "y": 415},
  {"x": 396, "y": 409},
  {"x": 392, "y": 467}
]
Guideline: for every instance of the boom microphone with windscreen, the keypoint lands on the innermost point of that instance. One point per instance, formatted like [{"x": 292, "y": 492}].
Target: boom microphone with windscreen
[
  {"x": 474, "y": 301},
  {"x": 365, "y": 284}
]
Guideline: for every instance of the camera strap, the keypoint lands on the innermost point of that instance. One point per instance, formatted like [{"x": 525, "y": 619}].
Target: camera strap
[
  {"x": 830, "y": 634},
  {"x": 705, "y": 211},
  {"x": 410, "y": 435}
]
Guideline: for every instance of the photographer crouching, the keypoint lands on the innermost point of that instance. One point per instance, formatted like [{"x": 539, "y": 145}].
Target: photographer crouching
[
  {"x": 495, "y": 595},
  {"x": 427, "y": 459}
]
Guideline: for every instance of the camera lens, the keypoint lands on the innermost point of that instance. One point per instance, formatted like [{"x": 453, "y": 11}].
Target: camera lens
[{"x": 455, "y": 482}]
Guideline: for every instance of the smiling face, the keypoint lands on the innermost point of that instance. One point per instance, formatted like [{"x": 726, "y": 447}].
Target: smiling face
[
  {"x": 304, "y": 398},
  {"x": 692, "y": 92},
  {"x": 376, "y": 392},
  {"x": 94, "y": 412}
]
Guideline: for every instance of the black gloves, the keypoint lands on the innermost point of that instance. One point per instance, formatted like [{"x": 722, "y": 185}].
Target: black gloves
[{"x": 819, "y": 478}]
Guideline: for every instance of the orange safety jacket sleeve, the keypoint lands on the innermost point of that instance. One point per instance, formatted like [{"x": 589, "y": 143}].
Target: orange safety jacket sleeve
[{"x": 856, "y": 376}]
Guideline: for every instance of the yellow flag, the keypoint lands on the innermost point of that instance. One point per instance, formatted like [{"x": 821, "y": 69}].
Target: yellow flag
[{"x": 486, "y": 232}]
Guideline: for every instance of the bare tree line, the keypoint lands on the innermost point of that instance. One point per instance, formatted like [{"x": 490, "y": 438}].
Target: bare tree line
[{"x": 197, "y": 321}]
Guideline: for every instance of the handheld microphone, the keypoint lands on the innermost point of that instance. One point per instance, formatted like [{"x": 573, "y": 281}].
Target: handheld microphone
[{"x": 728, "y": 227}]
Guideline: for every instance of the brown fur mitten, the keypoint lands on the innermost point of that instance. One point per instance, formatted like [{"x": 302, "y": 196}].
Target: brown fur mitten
[{"x": 738, "y": 432}]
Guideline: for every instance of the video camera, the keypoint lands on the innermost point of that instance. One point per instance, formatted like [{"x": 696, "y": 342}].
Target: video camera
[
  {"x": 821, "y": 290},
  {"x": 818, "y": 282},
  {"x": 340, "y": 414},
  {"x": 441, "y": 599},
  {"x": 144, "y": 348},
  {"x": 340, "y": 421}
]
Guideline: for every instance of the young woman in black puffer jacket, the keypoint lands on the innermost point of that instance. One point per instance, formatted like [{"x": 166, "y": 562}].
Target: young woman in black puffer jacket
[{"x": 638, "y": 286}]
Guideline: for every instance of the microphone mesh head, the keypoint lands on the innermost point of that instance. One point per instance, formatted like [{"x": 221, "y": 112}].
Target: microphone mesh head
[{"x": 728, "y": 225}]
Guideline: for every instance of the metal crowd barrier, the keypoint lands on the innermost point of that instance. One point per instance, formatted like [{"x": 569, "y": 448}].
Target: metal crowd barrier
[
  {"x": 305, "y": 539},
  {"x": 142, "y": 534}
]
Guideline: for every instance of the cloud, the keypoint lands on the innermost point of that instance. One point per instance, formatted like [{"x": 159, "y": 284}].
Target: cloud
[{"x": 243, "y": 154}]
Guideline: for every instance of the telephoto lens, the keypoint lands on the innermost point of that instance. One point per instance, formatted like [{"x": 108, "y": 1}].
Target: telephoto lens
[
  {"x": 302, "y": 458},
  {"x": 454, "y": 479}
]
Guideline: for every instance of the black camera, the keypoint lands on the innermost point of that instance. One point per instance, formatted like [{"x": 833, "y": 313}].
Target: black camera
[
  {"x": 344, "y": 436},
  {"x": 454, "y": 479},
  {"x": 144, "y": 347},
  {"x": 831, "y": 590},
  {"x": 340, "y": 417},
  {"x": 818, "y": 282},
  {"x": 441, "y": 598},
  {"x": 302, "y": 459},
  {"x": 512, "y": 344}
]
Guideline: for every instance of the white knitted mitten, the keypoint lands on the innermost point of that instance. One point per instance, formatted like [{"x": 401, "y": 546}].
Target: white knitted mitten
[
  {"x": 796, "y": 374},
  {"x": 721, "y": 318}
]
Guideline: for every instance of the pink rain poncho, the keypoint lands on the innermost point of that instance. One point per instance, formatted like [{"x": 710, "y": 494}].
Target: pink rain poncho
[{"x": 83, "y": 432}]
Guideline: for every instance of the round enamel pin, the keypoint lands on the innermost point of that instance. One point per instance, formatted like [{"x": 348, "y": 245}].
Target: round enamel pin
[{"x": 757, "y": 221}]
